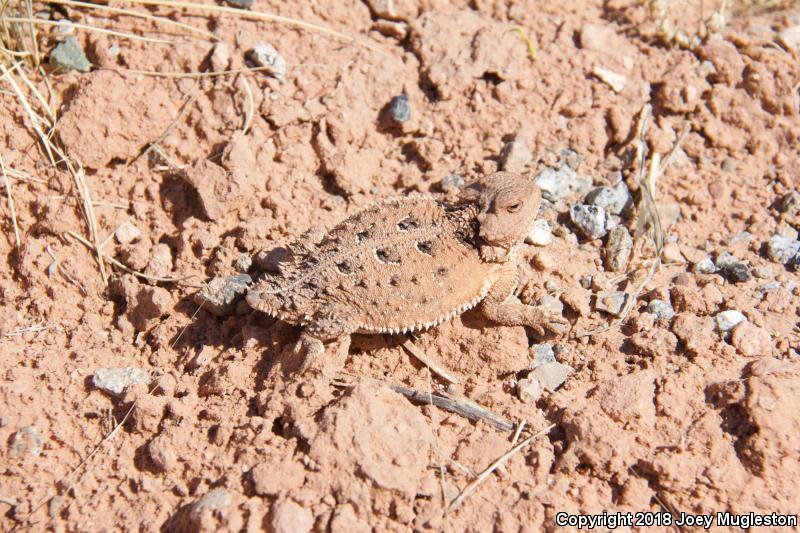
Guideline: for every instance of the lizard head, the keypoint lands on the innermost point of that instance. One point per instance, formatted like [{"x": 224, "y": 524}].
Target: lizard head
[{"x": 507, "y": 206}]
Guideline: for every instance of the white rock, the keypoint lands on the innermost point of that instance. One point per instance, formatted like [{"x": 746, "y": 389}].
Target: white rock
[
  {"x": 613, "y": 79},
  {"x": 590, "y": 219},
  {"x": 781, "y": 249},
  {"x": 551, "y": 375},
  {"x": 127, "y": 233},
  {"x": 116, "y": 380},
  {"x": 539, "y": 234},
  {"x": 529, "y": 390},
  {"x": 265, "y": 55},
  {"x": 727, "y": 320}
]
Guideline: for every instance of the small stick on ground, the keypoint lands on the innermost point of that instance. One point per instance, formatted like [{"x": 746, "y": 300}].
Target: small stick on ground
[
  {"x": 472, "y": 485},
  {"x": 123, "y": 266},
  {"x": 251, "y": 106},
  {"x": 156, "y": 144},
  {"x": 454, "y": 403},
  {"x": 434, "y": 365},
  {"x": 10, "y": 202}
]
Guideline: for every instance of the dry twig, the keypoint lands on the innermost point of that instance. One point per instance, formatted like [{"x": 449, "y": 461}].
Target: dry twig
[
  {"x": 431, "y": 362},
  {"x": 472, "y": 485}
]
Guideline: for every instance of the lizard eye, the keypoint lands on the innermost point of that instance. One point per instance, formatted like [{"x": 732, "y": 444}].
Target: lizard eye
[{"x": 513, "y": 208}]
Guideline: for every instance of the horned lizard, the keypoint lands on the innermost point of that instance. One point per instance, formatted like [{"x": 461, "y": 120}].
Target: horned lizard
[{"x": 408, "y": 264}]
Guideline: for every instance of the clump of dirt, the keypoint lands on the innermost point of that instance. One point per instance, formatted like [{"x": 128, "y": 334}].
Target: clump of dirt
[{"x": 688, "y": 405}]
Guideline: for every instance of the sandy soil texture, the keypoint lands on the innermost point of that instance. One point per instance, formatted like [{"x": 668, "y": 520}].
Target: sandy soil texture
[{"x": 126, "y": 406}]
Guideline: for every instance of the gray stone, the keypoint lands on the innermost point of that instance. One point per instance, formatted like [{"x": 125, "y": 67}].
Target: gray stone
[
  {"x": 210, "y": 501},
  {"x": 762, "y": 271},
  {"x": 452, "y": 183},
  {"x": 529, "y": 390},
  {"x": 551, "y": 375},
  {"x": 570, "y": 158},
  {"x": 552, "y": 304},
  {"x": 539, "y": 234},
  {"x": 736, "y": 238},
  {"x": 515, "y": 156},
  {"x": 265, "y": 55},
  {"x": 612, "y": 302},
  {"x": 781, "y": 249},
  {"x": 242, "y": 4},
  {"x": 542, "y": 354},
  {"x": 221, "y": 294},
  {"x": 26, "y": 442},
  {"x": 663, "y": 310},
  {"x": 115, "y": 380},
  {"x": 560, "y": 184},
  {"x": 401, "y": 110},
  {"x": 733, "y": 269},
  {"x": 770, "y": 286},
  {"x": 618, "y": 249},
  {"x": 68, "y": 54},
  {"x": 243, "y": 263},
  {"x": 613, "y": 199},
  {"x": 727, "y": 320},
  {"x": 790, "y": 203},
  {"x": 704, "y": 266},
  {"x": 589, "y": 219}
]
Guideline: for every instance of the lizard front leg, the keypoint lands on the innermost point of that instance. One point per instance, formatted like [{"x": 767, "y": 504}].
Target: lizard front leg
[
  {"x": 328, "y": 324},
  {"x": 501, "y": 306}
]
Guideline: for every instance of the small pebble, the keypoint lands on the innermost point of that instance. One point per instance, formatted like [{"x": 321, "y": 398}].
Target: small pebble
[
  {"x": 560, "y": 184},
  {"x": 529, "y": 390},
  {"x": 618, "y": 249},
  {"x": 733, "y": 269},
  {"x": 762, "y": 271},
  {"x": 704, "y": 266},
  {"x": 613, "y": 199},
  {"x": 26, "y": 442},
  {"x": 243, "y": 263},
  {"x": 515, "y": 156},
  {"x": 570, "y": 157},
  {"x": 768, "y": 287},
  {"x": 542, "y": 354},
  {"x": 221, "y": 294},
  {"x": 551, "y": 375},
  {"x": 552, "y": 286},
  {"x": 401, "y": 110},
  {"x": 663, "y": 310},
  {"x": 242, "y": 4},
  {"x": 790, "y": 202},
  {"x": 613, "y": 79},
  {"x": 736, "y": 238},
  {"x": 589, "y": 219},
  {"x": 68, "y": 54},
  {"x": 127, "y": 233},
  {"x": 452, "y": 183},
  {"x": 551, "y": 304},
  {"x": 211, "y": 501},
  {"x": 727, "y": 320},
  {"x": 781, "y": 249},
  {"x": 539, "y": 234},
  {"x": 612, "y": 302},
  {"x": 115, "y": 380},
  {"x": 265, "y": 55}
]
